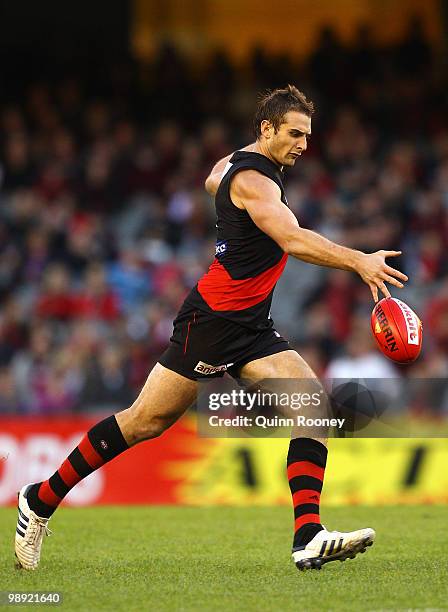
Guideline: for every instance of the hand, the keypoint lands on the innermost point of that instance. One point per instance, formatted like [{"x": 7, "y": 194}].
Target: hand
[{"x": 374, "y": 271}]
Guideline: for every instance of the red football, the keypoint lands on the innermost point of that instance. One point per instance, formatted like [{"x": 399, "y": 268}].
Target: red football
[{"x": 397, "y": 330}]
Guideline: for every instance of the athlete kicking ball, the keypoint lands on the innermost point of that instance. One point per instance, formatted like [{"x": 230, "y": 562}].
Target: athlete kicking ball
[{"x": 224, "y": 325}]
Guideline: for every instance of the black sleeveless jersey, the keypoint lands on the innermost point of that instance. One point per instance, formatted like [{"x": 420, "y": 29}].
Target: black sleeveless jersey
[{"x": 240, "y": 282}]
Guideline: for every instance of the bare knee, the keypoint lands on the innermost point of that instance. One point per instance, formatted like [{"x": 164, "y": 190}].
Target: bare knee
[
  {"x": 152, "y": 426},
  {"x": 138, "y": 424},
  {"x": 164, "y": 398}
]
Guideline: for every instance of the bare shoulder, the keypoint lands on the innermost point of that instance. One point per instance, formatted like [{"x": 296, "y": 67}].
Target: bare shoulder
[{"x": 251, "y": 184}]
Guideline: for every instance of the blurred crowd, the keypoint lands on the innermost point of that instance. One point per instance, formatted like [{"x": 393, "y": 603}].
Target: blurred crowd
[{"x": 105, "y": 224}]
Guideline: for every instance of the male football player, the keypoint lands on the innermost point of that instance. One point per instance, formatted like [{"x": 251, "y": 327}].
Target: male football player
[{"x": 224, "y": 325}]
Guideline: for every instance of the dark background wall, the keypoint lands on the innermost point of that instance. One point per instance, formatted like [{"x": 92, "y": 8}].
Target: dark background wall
[{"x": 39, "y": 38}]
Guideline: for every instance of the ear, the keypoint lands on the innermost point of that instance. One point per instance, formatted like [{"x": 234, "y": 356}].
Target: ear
[{"x": 266, "y": 128}]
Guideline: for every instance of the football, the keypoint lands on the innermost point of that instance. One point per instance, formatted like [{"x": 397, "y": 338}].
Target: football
[{"x": 397, "y": 330}]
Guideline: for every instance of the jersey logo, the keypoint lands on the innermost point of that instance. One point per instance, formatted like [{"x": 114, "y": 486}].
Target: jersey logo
[
  {"x": 206, "y": 368},
  {"x": 221, "y": 248}
]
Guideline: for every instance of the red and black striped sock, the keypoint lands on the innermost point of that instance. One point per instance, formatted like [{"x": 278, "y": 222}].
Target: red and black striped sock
[
  {"x": 306, "y": 467},
  {"x": 101, "y": 444}
]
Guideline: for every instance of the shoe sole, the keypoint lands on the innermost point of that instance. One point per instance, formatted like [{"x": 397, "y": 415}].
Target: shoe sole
[
  {"x": 18, "y": 565},
  {"x": 349, "y": 553}
]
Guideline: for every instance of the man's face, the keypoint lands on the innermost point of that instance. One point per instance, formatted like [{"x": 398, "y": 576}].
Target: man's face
[{"x": 290, "y": 140}]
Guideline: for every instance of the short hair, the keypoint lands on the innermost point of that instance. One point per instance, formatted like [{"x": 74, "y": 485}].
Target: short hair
[{"x": 274, "y": 104}]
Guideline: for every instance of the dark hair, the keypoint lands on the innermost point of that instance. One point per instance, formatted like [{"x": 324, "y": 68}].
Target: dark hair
[{"x": 273, "y": 106}]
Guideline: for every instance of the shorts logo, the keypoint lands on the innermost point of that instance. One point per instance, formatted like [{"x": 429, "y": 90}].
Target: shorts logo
[
  {"x": 206, "y": 368},
  {"x": 221, "y": 248}
]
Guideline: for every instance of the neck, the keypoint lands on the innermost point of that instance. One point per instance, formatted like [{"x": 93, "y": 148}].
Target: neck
[{"x": 259, "y": 146}]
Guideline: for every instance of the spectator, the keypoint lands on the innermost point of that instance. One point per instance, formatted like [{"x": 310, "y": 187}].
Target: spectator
[
  {"x": 96, "y": 300},
  {"x": 361, "y": 359},
  {"x": 129, "y": 279},
  {"x": 106, "y": 383},
  {"x": 55, "y": 300}
]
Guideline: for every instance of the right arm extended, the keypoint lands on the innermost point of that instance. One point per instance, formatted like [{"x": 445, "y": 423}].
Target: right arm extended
[{"x": 260, "y": 196}]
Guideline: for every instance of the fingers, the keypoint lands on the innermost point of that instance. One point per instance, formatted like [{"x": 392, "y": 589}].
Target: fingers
[
  {"x": 396, "y": 273},
  {"x": 376, "y": 279},
  {"x": 392, "y": 281},
  {"x": 380, "y": 284},
  {"x": 384, "y": 289}
]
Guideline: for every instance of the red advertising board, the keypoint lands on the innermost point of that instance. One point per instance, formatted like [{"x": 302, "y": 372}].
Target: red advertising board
[{"x": 32, "y": 449}]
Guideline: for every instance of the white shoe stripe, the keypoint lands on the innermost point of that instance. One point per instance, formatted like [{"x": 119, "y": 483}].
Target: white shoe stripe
[{"x": 19, "y": 531}]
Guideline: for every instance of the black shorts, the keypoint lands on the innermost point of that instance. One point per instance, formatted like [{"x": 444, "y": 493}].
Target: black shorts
[{"x": 205, "y": 346}]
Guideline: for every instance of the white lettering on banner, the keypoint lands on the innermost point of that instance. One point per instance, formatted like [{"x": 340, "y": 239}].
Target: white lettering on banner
[
  {"x": 35, "y": 458},
  {"x": 42, "y": 454},
  {"x": 8, "y": 446}
]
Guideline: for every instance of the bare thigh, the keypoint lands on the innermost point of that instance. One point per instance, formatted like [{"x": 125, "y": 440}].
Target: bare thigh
[
  {"x": 287, "y": 364},
  {"x": 164, "y": 397},
  {"x": 284, "y": 365}
]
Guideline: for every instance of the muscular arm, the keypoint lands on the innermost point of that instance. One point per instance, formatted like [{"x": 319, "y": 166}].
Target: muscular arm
[{"x": 261, "y": 198}]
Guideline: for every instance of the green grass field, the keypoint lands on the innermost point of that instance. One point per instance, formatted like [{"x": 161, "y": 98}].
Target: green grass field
[{"x": 155, "y": 558}]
